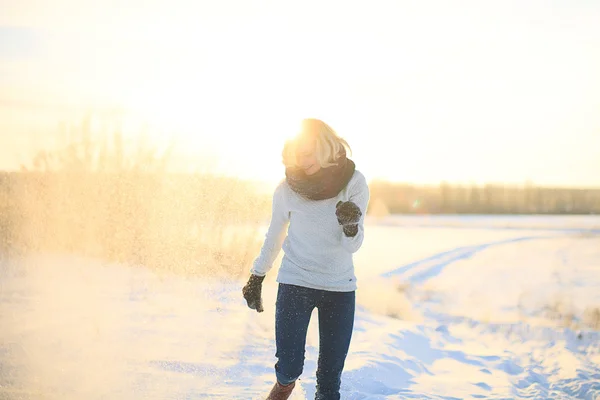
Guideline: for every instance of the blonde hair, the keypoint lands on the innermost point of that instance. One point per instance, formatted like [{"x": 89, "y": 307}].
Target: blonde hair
[{"x": 329, "y": 144}]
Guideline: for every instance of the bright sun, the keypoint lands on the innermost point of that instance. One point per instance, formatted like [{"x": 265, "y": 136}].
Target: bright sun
[{"x": 244, "y": 138}]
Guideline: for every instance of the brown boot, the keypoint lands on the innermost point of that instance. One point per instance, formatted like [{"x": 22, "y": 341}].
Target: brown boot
[{"x": 280, "y": 392}]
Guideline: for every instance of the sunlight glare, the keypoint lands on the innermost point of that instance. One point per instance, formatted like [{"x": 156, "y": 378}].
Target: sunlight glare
[{"x": 247, "y": 136}]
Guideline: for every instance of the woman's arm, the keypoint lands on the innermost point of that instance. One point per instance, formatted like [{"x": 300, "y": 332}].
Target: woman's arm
[
  {"x": 275, "y": 234},
  {"x": 359, "y": 195}
]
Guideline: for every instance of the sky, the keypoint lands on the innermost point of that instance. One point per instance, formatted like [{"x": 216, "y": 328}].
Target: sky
[{"x": 428, "y": 91}]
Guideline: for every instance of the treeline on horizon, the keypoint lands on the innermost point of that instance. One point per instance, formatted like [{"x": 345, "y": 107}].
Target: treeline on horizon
[{"x": 405, "y": 198}]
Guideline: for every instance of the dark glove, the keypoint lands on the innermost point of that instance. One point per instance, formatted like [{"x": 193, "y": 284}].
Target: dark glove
[
  {"x": 348, "y": 214},
  {"x": 253, "y": 292}
]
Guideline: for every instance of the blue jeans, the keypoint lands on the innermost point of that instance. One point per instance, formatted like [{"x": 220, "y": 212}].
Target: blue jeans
[{"x": 294, "y": 307}]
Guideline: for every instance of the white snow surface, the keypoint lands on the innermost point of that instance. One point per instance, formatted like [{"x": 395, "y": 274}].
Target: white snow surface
[{"x": 448, "y": 308}]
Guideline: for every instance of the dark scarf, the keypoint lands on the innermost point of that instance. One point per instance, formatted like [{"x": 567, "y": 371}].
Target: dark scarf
[{"x": 324, "y": 184}]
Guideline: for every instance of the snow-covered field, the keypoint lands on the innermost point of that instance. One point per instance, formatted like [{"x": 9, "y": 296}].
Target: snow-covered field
[{"x": 449, "y": 307}]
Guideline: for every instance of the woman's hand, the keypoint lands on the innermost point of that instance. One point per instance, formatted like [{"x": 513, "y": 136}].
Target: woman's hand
[
  {"x": 253, "y": 292},
  {"x": 348, "y": 214}
]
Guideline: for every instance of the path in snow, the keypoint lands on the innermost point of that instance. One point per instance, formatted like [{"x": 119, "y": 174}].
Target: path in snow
[{"x": 511, "y": 306}]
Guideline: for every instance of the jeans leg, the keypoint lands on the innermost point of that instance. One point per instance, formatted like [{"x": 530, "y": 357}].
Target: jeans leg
[
  {"x": 292, "y": 316},
  {"x": 336, "y": 322}
]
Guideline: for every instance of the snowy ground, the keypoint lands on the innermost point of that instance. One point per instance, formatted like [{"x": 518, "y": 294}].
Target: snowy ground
[{"x": 449, "y": 307}]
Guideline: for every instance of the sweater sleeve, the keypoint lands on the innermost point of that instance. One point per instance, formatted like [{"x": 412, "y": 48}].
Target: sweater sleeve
[
  {"x": 275, "y": 234},
  {"x": 359, "y": 195}
]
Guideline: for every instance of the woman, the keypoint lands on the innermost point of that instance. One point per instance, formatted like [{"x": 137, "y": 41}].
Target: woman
[{"x": 323, "y": 200}]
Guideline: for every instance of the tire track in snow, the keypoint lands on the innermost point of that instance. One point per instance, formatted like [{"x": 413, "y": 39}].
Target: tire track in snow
[{"x": 420, "y": 271}]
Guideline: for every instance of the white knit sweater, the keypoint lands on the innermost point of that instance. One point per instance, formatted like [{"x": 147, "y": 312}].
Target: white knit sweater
[{"x": 317, "y": 254}]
